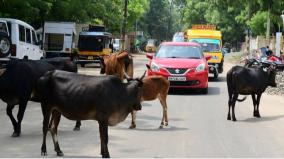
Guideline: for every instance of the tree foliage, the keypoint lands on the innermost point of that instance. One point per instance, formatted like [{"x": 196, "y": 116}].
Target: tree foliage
[
  {"x": 158, "y": 19},
  {"x": 104, "y": 12}
]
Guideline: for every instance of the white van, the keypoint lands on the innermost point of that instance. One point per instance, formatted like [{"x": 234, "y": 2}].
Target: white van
[{"x": 24, "y": 43}]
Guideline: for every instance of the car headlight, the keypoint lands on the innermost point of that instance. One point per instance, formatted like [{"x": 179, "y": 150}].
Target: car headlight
[
  {"x": 155, "y": 67},
  {"x": 200, "y": 67}
]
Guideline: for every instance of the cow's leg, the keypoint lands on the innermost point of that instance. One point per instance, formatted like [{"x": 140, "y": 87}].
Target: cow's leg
[
  {"x": 163, "y": 102},
  {"x": 53, "y": 129},
  {"x": 257, "y": 109},
  {"x": 20, "y": 116},
  {"x": 229, "y": 107},
  {"x": 133, "y": 120},
  {"x": 46, "y": 117},
  {"x": 9, "y": 111},
  {"x": 77, "y": 126},
  {"x": 254, "y": 105},
  {"x": 235, "y": 97},
  {"x": 104, "y": 139}
]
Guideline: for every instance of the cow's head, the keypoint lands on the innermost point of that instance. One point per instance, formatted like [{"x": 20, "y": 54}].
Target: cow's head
[
  {"x": 270, "y": 68},
  {"x": 137, "y": 85}
]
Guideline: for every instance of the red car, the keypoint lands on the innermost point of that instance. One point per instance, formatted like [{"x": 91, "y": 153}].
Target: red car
[{"x": 182, "y": 63}]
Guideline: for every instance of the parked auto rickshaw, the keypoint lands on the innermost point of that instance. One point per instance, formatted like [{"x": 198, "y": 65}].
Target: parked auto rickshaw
[{"x": 92, "y": 44}]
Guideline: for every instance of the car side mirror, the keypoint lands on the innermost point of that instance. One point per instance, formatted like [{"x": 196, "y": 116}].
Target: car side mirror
[
  {"x": 208, "y": 57},
  {"x": 149, "y": 55}
]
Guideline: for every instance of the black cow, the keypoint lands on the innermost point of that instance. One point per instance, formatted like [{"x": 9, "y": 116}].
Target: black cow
[
  {"x": 252, "y": 81},
  {"x": 62, "y": 63},
  {"x": 82, "y": 97},
  {"x": 18, "y": 82}
]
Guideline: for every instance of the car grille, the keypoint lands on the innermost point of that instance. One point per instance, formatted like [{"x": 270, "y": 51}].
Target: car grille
[
  {"x": 177, "y": 71},
  {"x": 184, "y": 83}
]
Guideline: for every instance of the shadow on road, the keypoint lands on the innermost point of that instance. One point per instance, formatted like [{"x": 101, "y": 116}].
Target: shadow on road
[
  {"x": 262, "y": 119},
  {"x": 211, "y": 91},
  {"x": 219, "y": 79},
  {"x": 166, "y": 128}
]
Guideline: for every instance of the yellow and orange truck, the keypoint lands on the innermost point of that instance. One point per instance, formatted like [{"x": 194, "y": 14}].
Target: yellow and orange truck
[{"x": 210, "y": 40}]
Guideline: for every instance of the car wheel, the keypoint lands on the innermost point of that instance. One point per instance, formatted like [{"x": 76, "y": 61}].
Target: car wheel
[
  {"x": 216, "y": 75},
  {"x": 75, "y": 59},
  {"x": 5, "y": 45},
  {"x": 204, "y": 90},
  {"x": 220, "y": 67}
]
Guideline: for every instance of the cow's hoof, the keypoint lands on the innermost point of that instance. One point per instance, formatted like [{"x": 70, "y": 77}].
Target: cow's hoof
[
  {"x": 16, "y": 134},
  {"x": 161, "y": 127},
  {"x": 76, "y": 128},
  {"x": 166, "y": 123},
  {"x": 258, "y": 116},
  {"x": 106, "y": 156},
  {"x": 43, "y": 153},
  {"x": 132, "y": 126},
  {"x": 228, "y": 118},
  {"x": 60, "y": 153},
  {"x": 234, "y": 119}
]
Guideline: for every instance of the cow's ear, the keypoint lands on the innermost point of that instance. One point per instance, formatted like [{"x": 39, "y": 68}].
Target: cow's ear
[{"x": 122, "y": 55}]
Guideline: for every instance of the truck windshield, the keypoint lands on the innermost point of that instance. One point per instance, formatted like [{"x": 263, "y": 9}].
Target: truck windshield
[
  {"x": 90, "y": 43},
  {"x": 208, "y": 45},
  {"x": 174, "y": 51}
]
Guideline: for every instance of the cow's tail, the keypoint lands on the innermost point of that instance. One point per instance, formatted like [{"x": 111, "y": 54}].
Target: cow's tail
[{"x": 241, "y": 100}]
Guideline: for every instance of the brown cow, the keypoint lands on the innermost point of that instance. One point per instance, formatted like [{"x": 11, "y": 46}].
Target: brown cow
[
  {"x": 116, "y": 63},
  {"x": 154, "y": 86}
]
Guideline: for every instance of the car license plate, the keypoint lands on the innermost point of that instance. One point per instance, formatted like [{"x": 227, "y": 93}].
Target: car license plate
[
  {"x": 90, "y": 58},
  {"x": 173, "y": 78}
]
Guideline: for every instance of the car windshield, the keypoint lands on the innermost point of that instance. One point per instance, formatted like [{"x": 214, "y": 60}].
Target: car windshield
[
  {"x": 172, "y": 51},
  {"x": 208, "y": 45}
]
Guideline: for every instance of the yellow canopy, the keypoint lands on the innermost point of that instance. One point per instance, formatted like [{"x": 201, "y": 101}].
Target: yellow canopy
[{"x": 200, "y": 33}]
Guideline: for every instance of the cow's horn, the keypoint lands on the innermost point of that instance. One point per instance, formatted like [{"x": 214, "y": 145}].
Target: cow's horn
[
  {"x": 126, "y": 75},
  {"x": 2, "y": 71},
  {"x": 143, "y": 75}
]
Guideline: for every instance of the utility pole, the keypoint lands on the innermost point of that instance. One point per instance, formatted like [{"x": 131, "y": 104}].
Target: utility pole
[
  {"x": 248, "y": 29},
  {"x": 268, "y": 20},
  {"x": 124, "y": 24},
  {"x": 170, "y": 19}
]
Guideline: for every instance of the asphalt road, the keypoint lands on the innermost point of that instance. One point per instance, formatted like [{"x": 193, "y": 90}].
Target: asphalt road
[{"x": 197, "y": 128}]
